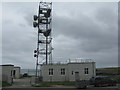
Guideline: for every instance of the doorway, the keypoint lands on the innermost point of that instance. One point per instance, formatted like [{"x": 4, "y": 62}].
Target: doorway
[
  {"x": 77, "y": 76},
  {"x": 14, "y": 73}
]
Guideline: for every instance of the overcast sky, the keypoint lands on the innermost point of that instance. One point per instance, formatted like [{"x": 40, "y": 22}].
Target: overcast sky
[{"x": 80, "y": 30}]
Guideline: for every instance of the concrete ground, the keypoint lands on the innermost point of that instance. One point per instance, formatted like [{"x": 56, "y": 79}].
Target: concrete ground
[{"x": 20, "y": 83}]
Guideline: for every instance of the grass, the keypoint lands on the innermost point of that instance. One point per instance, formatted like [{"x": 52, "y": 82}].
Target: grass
[
  {"x": 22, "y": 77},
  {"x": 0, "y": 84},
  {"x": 117, "y": 79},
  {"x": 49, "y": 84},
  {"x": 108, "y": 70},
  {"x": 114, "y": 73},
  {"x": 61, "y": 83},
  {"x": 4, "y": 84}
]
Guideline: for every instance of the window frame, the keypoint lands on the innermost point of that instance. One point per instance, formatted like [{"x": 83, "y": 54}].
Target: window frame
[
  {"x": 63, "y": 71},
  {"x": 86, "y": 71},
  {"x": 50, "y": 71}
]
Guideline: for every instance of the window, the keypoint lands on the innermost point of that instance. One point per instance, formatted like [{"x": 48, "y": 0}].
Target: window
[
  {"x": 86, "y": 70},
  {"x": 11, "y": 73},
  {"x": 63, "y": 71},
  {"x": 72, "y": 72},
  {"x": 50, "y": 71}
]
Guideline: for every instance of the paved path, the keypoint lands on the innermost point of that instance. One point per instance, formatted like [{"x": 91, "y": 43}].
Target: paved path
[{"x": 21, "y": 83}]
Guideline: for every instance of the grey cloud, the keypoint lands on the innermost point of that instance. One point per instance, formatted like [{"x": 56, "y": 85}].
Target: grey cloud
[
  {"x": 93, "y": 36},
  {"x": 29, "y": 19},
  {"x": 18, "y": 44},
  {"x": 107, "y": 15}
]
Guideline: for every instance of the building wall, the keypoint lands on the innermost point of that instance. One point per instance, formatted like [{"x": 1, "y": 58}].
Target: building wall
[
  {"x": 56, "y": 72},
  {"x": 80, "y": 68},
  {"x": 16, "y": 72},
  {"x": 0, "y": 73},
  {"x": 70, "y": 70},
  {"x": 7, "y": 73}
]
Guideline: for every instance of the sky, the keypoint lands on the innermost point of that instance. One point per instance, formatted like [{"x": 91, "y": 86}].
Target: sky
[{"x": 79, "y": 30}]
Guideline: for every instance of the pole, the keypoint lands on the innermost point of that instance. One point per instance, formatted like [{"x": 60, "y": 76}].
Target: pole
[
  {"x": 37, "y": 64},
  {"x": 46, "y": 50},
  {"x": 47, "y": 45},
  {"x": 38, "y": 41}
]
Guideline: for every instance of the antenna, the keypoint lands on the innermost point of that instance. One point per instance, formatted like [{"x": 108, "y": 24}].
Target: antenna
[{"x": 43, "y": 22}]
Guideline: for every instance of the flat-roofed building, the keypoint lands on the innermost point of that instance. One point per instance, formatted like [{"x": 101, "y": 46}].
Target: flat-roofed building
[
  {"x": 7, "y": 73},
  {"x": 16, "y": 72},
  {"x": 68, "y": 72}
]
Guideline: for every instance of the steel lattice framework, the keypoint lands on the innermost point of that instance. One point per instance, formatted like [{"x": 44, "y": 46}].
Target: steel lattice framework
[{"x": 43, "y": 21}]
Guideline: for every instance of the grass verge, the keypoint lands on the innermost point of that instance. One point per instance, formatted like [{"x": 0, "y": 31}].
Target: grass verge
[
  {"x": 50, "y": 84},
  {"x": 4, "y": 84}
]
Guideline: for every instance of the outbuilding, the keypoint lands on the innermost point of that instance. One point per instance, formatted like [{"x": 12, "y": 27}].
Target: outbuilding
[
  {"x": 68, "y": 72},
  {"x": 16, "y": 72},
  {"x": 9, "y": 72},
  {"x": 6, "y": 74}
]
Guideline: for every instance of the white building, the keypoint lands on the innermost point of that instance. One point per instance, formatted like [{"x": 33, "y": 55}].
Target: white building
[
  {"x": 16, "y": 72},
  {"x": 9, "y": 72},
  {"x": 6, "y": 74},
  {"x": 67, "y": 72}
]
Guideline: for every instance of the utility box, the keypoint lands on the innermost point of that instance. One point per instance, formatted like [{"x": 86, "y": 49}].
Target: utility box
[
  {"x": 81, "y": 84},
  {"x": 35, "y": 80}
]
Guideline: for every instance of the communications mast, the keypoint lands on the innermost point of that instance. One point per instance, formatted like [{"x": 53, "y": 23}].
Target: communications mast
[{"x": 43, "y": 23}]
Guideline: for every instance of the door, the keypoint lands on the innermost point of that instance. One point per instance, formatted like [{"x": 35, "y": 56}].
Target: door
[
  {"x": 14, "y": 73},
  {"x": 77, "y": 77}
]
